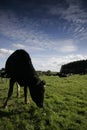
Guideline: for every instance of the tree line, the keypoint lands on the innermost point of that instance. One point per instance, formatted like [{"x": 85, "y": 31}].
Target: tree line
[{"x": 76, "y": 67}]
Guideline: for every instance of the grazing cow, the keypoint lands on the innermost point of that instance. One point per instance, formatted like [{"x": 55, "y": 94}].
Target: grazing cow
[{"x": 19, "y": 69}]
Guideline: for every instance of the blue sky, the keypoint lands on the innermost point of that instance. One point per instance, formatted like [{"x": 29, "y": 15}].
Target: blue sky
[{"x": 53, "y": 32}]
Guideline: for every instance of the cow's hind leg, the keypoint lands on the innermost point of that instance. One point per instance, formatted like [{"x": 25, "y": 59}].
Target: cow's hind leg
[
  {"x": 25, "y": 95},
  {"x": 9, "y": 92}
]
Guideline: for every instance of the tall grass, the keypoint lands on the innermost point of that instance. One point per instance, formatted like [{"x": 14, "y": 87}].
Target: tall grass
[{"x": 65, "y": 106}]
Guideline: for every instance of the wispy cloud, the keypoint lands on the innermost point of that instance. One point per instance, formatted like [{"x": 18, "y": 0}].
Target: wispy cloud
[
  {"x": 74, "y": 15},
  {"x": 30, "y": 38},
  {"x": 72, "y": 12},
  {"x": 68, "y": 46},
  {"x": 19, "y": 46},
  {"x": 47, "y": 45},
  {"x": 12, "y": 28},
  {"x": 16, "y": 28}
]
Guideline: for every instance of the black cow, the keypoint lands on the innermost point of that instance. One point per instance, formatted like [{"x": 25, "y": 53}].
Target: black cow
[{"x": 19, "y": 69}]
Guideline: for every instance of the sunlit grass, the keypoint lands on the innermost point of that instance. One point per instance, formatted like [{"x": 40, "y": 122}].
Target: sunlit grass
[{"x": 65, "y": 106}]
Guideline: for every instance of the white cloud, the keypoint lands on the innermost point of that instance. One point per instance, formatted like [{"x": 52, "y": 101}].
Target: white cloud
[
  {"x": 55, "y": 63},
  {"x": 4, "y": 52},
  {"x": 45, "y": 63}
]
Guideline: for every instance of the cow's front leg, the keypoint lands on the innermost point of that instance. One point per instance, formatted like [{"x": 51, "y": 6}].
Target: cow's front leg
[
  {"x": 9, "y": 92},
  {"x": 18, "y": 90},
  {"x": 25, "y": 95}
]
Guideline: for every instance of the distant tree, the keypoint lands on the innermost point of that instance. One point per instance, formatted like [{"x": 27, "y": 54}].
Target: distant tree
[{"x": 48, "y": 73}]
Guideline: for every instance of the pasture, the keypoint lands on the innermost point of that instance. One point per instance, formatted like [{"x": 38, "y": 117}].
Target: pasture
[{"x": 65, "y": 106}]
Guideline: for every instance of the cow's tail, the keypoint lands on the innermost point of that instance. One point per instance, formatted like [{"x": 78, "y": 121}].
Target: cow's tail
[{"x": 3, "y": 74}]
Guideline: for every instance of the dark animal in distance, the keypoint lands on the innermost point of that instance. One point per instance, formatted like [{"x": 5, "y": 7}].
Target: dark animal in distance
[
  {"x": 19, "y": 69},
  {"x": 61, "y": 75}
]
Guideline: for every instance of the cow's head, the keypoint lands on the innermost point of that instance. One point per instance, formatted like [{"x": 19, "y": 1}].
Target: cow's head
[{"x": 37, "y": 93}]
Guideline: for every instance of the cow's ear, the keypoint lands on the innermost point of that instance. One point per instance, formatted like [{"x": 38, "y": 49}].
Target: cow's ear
[{"x": 43, "y": 82}]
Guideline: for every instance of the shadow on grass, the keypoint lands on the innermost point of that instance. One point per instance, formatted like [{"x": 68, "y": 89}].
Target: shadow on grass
[
  {"x": 5, "y": 113},
  {"x": 8, "y": 113}
]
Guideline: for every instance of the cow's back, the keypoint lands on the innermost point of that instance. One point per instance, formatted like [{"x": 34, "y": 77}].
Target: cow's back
[{"x": 18, "y": 64}]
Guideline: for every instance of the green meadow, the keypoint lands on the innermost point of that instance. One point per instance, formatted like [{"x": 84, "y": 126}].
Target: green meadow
[{"x": 65, "y": 106}]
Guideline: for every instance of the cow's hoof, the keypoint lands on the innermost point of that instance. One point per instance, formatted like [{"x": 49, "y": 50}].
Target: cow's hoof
[
  {"x": 27, "y": 102},
  {"x": 5, "y": 106}
]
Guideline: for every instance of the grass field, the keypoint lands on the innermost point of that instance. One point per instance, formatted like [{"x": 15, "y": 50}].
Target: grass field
[{"x": 65, "y": 106}]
